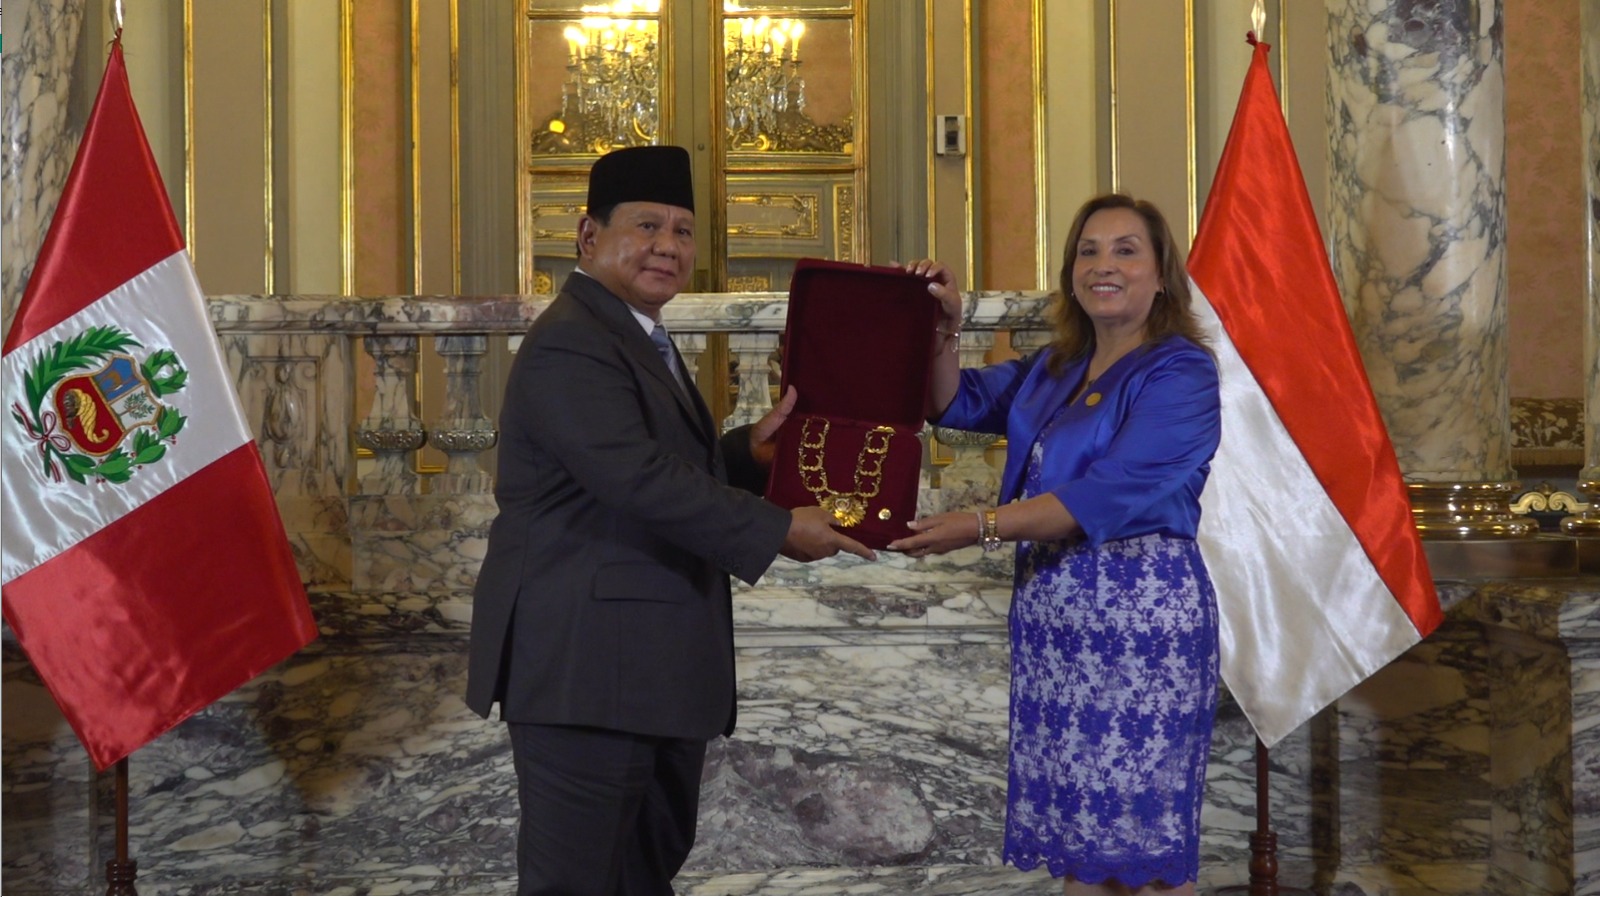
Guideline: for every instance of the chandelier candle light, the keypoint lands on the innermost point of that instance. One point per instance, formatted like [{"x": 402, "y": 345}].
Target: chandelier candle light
[
  {"x": 764, "y": 83},
  {"x": 612, "y": 76}
]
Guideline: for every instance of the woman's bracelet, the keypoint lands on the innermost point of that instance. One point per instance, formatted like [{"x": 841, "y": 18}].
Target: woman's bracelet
[
  {"x": 990, "y": 529},
  {"x": 954, "y": 335}
]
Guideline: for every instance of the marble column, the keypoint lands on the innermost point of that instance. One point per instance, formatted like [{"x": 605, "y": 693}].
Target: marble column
[
  {"x": 1588, "y": 523},
  {"x": 1417, "y": 224},
  {"x": 35, "y": 78}
]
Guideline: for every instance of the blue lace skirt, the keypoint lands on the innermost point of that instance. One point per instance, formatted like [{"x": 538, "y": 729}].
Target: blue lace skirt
[{"x": 1113, "y": 694}]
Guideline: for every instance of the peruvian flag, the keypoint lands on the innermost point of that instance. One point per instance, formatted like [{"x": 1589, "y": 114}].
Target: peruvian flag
[
  {"x": 1306, "y": 525},
  {"x": 145, "y": 570}
]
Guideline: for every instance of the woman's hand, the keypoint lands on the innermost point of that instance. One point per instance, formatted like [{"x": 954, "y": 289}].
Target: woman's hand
[
  {"x": 944, "y": 378},
  {"x": 943, "y": 288},
  {"x": 939, "y": 534}
]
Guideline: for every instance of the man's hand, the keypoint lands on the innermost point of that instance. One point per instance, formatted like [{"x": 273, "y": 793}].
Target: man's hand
[
  {"x": 812, "y": 536},
  {"x": 764, "y": 432}
]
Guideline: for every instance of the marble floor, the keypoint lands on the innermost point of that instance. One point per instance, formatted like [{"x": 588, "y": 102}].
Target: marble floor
[{"x": 1426, "y": 879}]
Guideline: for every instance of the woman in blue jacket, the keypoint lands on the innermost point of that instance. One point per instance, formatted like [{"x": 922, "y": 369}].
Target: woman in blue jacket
[{"x": 1111, "y": 429}]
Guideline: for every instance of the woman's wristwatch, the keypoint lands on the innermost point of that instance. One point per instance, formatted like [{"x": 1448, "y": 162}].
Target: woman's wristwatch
[{"x": 989, "y": 536}]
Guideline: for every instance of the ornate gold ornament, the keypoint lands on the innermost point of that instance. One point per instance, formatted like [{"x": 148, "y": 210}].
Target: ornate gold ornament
[{"x": 849, "y": 508}]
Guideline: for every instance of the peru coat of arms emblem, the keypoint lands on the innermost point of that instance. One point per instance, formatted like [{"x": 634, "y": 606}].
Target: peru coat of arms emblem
[{"x": 94, "y": 408}]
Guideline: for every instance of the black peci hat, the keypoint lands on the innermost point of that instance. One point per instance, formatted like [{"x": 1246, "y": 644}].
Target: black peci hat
[{"x": 642, "y": 174}]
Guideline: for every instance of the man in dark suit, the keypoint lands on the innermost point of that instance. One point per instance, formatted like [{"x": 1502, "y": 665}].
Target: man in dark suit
[{"x": 602, "y": 619}]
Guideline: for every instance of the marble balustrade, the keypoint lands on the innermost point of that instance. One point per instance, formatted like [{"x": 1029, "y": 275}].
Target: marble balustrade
[{"x": 870, "y": 754}]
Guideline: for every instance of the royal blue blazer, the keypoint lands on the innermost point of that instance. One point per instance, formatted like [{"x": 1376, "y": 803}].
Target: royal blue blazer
[{"x": 1128, "y": 458}]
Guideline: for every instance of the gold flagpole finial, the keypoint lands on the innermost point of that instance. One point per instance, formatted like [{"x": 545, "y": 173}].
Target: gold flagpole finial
[{"x": 1258, "y": 16}]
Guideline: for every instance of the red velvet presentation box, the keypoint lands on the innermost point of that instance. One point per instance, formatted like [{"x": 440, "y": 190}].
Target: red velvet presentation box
[{"x": 856, "y": 347}]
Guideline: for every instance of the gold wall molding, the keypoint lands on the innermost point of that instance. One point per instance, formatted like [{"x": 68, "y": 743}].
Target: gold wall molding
[{"x": 1459, "y": 511}]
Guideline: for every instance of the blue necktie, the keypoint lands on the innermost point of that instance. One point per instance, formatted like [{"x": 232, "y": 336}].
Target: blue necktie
[{"x": 664, "y": 346}]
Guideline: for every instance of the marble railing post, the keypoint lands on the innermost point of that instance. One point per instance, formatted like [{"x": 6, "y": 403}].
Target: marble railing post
[
  {"x": 691, "y": 346},
  {"x": 754, "y": 353},
  {"x": 391, "y": 430},
  {"x": 463, "y": 431},
  {"x": 1588, "y": 522},
  {"x": 1417, "y": 219}
]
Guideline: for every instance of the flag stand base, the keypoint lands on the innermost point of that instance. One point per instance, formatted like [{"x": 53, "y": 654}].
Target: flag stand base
[
  {"x": 121, "y": 871},
  {"x": 120, "y": 876}
]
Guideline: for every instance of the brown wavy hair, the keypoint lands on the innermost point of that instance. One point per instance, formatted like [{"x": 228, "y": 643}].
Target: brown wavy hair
[{"x": 1171, "y": 313}]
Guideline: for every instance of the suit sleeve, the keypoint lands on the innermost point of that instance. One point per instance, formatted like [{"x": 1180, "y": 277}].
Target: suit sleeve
[
  {"x": 591, "y": 414},
  {"x": 743, "y": 471}
]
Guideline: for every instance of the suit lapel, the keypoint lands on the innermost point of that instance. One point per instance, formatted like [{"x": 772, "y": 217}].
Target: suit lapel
[{"x": 614, "y": 312}]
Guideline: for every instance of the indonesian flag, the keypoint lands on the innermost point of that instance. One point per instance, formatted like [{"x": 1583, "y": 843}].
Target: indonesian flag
[
  {"x": 145, "y": 570},
  {"x": 1306, "y": 525}
]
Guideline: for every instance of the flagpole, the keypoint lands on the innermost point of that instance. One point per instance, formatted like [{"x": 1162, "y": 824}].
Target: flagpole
[
  {"x": 121, "y": 871},
  {"x": 1263, "y": 841}
]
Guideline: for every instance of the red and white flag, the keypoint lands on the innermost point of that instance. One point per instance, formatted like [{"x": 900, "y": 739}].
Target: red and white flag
[
  {"x": 1306, "y": 525},
  {"x": 144, "y": 566}
]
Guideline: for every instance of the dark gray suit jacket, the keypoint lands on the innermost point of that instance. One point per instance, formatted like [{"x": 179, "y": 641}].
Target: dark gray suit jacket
[{"x": 604, "y": 598}]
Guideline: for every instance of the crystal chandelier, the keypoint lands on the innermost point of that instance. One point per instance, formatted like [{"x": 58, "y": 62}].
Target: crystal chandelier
[
  {"x": 610, "y": 97},
  {"x": 764, "y": 82}
]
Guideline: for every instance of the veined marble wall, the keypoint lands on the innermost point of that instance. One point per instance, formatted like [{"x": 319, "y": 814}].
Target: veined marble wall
[{"x": 37, "y": 151}]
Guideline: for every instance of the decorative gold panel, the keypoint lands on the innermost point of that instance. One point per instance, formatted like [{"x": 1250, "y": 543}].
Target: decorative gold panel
[
  {"x": 556, "y": 220},
  {"x": 755, "y": 216},
  {"x": 754, "y": 283},
  {"x": 844, "y": 224}
]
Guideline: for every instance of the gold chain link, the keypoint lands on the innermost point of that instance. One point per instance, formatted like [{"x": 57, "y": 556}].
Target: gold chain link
[{"x": 849, "y": 508}]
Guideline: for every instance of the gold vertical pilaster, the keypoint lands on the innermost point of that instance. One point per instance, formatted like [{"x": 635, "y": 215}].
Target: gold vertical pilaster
[
  {"x": 524, "y": 178},
  {"x": 1190, "y": 133},
  {"x": 188, "y": 127},
  {"x": 927, "y": 121},
  {"x": 414, "y": 89},
  {"x": 455, "y": 147},
  {"x": 861, "y": 244},
  {"x": 269, "y": 272},
  {"x": 718, "y": 268},
  {"x": 1111, "y": 60},
  {"x": 347, "y": 150},
  {"x": 1283, "y": 57},
  {"x": 970, "y": 161},
  {"x": 1041, "y": 151}
]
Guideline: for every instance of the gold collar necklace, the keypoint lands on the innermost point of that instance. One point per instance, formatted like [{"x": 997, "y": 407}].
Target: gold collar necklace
[{"x": 849, "y": 508}]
